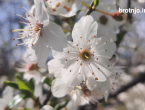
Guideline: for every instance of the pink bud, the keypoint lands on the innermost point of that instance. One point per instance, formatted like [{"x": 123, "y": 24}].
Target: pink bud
[{"x": 118, "y": 16}]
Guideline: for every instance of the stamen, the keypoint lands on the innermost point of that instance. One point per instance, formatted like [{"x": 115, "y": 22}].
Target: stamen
[
  {"x": 21, "y": 17},
  {"x": 20, "y": 44},
  {"x": 86, "y": 56},
  {"x": 24, "y": 23},
  {"x": 94, "y": 45},
  {"x": 22, "y": 30}
]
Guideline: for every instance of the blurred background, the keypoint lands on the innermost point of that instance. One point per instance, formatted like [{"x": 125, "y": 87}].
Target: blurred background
[{"x": 130, "y": 49}]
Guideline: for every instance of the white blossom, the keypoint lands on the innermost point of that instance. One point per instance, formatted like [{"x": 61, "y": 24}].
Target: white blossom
[
  {"x": 40, "y": 34},
  {"x": 87, "y": 56},
  {"x": 29, "y": 69},
  {"x": 83, "y": 94},
  {"x": 59, "y": 89},
  {"x": 66, "y": 8}
]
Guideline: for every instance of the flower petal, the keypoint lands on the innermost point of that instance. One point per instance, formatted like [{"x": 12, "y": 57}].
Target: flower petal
[
  {"x": 62, "y": 7},
  {"x": 3, "y": 104},
  {"x": 71, "y": 75},
  {"x": 55, "y": 67},
  {"x": 36, "y": 76},
  {"x": 98, "y": 87},
  {"x": 8, "y": 94},
  {"x": 38, "y": 91},
  {"x": 46, "y": 107},
  {"x": 84, "y": 30},
  {"x": 54, "y": 37},
  {"x": 70, "y": 52},
  {"x": 105, "y": 48},
  {"x": 40, "y": 13},
  {"x": 96, "y": 73},
  {"x": 39, "y": 53},
  {"x": 59, "y": 89}
]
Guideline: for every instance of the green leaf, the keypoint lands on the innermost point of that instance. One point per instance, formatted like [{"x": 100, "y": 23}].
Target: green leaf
[
  {"x": 11, "y": 84},
  {"x": 31, "y": 84},
  {"x": 23, "y": 87},
  {"x": 18, "y": 98},
  {"x": 47, "y": 80},
  {"x": 96, "y": 3}
]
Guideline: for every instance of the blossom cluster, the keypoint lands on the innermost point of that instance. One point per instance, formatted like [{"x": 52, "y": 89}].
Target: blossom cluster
[{"x": 84, "y": 68}]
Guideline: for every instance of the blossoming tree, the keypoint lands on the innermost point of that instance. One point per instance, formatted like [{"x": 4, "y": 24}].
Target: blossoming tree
[{"x": 79, "y": 71}]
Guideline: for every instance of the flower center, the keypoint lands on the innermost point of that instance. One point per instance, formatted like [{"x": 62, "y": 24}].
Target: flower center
[
  {"x": 36, "y": 28},
  {"x": 85, "y": 54},
  {"x": 32, "y": 67},
  {"x": 86, "y": 91},
  {"x": 103, "y": 20}
]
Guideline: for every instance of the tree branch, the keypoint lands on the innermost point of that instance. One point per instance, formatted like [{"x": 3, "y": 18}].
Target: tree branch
[{"x": 138, "y": 79}]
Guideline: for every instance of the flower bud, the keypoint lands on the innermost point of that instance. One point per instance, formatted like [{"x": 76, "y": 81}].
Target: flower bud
[{"x": 118, "y": 16}]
